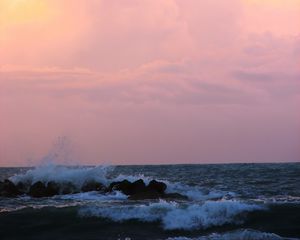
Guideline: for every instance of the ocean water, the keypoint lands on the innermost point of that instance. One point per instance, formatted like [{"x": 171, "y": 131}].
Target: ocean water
[{"x": 225, "y": 201}]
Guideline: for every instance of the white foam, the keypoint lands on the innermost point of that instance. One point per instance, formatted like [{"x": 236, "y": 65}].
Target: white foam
[
  {"x": 246, "y": 234},
  {"x": 196, "y": 193},
  {"x": 132, "y": 178},
  {"x": 96, "y": 196},
  {"x": 142, "y": 212},
  {"x": 192, "y": 192},
  {"x": 211, "y": 213},
  {"x": 175, "y": 216},
  {"x": 77, "y": 176},
  {"x": 278, "y": 199}
]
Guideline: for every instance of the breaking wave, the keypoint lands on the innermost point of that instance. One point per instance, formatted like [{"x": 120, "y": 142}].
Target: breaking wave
[
  {"x": 60, "y": 174},
  {"x": 244, "y": 234},
  {"x": 90, "y": 196},
  {"x": 177, "y": 216},
  {"x": 79, "y": 175},
  {"x": 230, "y": 206}
]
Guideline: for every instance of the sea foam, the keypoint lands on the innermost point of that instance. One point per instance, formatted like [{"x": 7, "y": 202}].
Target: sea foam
[
  {"x": 79, "y": 175},
  {"x": 243, "y": 234},
  {"x": 60, "y": 174},
  {"x": 176, "y": 216}
]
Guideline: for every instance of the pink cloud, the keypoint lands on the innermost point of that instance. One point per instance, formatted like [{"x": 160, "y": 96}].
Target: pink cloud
[{"x": 150, "y": 82}]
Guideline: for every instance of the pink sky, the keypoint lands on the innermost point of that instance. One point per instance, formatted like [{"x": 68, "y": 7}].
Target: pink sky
[{"x": 150, "y": 81}]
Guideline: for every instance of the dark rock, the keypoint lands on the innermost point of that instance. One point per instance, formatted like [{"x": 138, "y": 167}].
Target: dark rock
[
  {"x": 52, "y": 188},
  {"x": 150, "y": 194},
  {"x": 127, "y": 187},
  {"x": 123, "y": 186},
  {"x": 176, "y": 196},
  {"x": 68, "y": 188},
  {"x": 22, "y": 188},
  {"x": 145, "y": 195},
  {"x": 8, "y": 189},
  {"x": 159, "y": 187},
  {"x": 137, "y": 187},
  {"x": 92, "y": 186},
  {"x": 38, "y": 189}
]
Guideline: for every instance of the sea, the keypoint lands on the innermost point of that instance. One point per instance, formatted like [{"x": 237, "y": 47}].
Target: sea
[{"x": 225, "y": 201}]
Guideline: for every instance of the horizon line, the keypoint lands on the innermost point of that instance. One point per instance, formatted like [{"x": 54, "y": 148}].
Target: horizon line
[{"x": 149, "y": 164}]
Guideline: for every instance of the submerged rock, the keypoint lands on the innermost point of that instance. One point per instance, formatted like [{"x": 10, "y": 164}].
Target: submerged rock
[
  {"x": 92, "y": 186},
  {"x": 52, "y": 188},
  {"x": 145, "y": 195},
  {"x": 8, "y": 189},
  {"x": 155, "y": 195},
  {"x": 38, "y": 189},
  {"x": 176, "y": 196},
  {"x": 139, "y": 191},
  {"x": 22, "y": 187},
  {"x": 68, "y": 188},
  {"x": 136, "y": 190}
]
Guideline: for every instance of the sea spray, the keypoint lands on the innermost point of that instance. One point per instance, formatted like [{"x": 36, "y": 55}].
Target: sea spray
[
  {"x": 62, "y": 174},
  {"x": 61, "y": 152},
  {"x": 78, "y": 175}
]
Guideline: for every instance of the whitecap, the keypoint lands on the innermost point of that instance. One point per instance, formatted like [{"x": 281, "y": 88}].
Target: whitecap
[
  {"x": 61, "y": 174},
  {"x": 94, "y": 195},
  {"x": 176, "y": 216},
  {"x": 243, "y": 234},
  {"x": 79, "y": 175}
]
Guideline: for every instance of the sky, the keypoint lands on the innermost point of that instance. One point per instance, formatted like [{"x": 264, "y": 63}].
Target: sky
[{"x": 149, "y": 81}]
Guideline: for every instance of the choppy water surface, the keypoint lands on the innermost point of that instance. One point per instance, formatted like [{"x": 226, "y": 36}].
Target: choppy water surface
[{"x": 226, "y": 201}]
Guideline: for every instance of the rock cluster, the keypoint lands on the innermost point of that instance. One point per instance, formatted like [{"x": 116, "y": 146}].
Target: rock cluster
[
  {"x": 8, "y": 189},
  {"x": 137, "y": 190}
]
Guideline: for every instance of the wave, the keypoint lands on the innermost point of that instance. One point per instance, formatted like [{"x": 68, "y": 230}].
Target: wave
[
  {"x": 197, "y": 193},
  {"x": 278, "y": 199},
  {"x": 155, "y": 220},
  {"x": 89, "y": 196},
  {"x": 177, "y": 216},
  {"x": 79, "y": 175},
  {"x": 243, "y": 234},
  {"x": 60, "y": 201}
]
